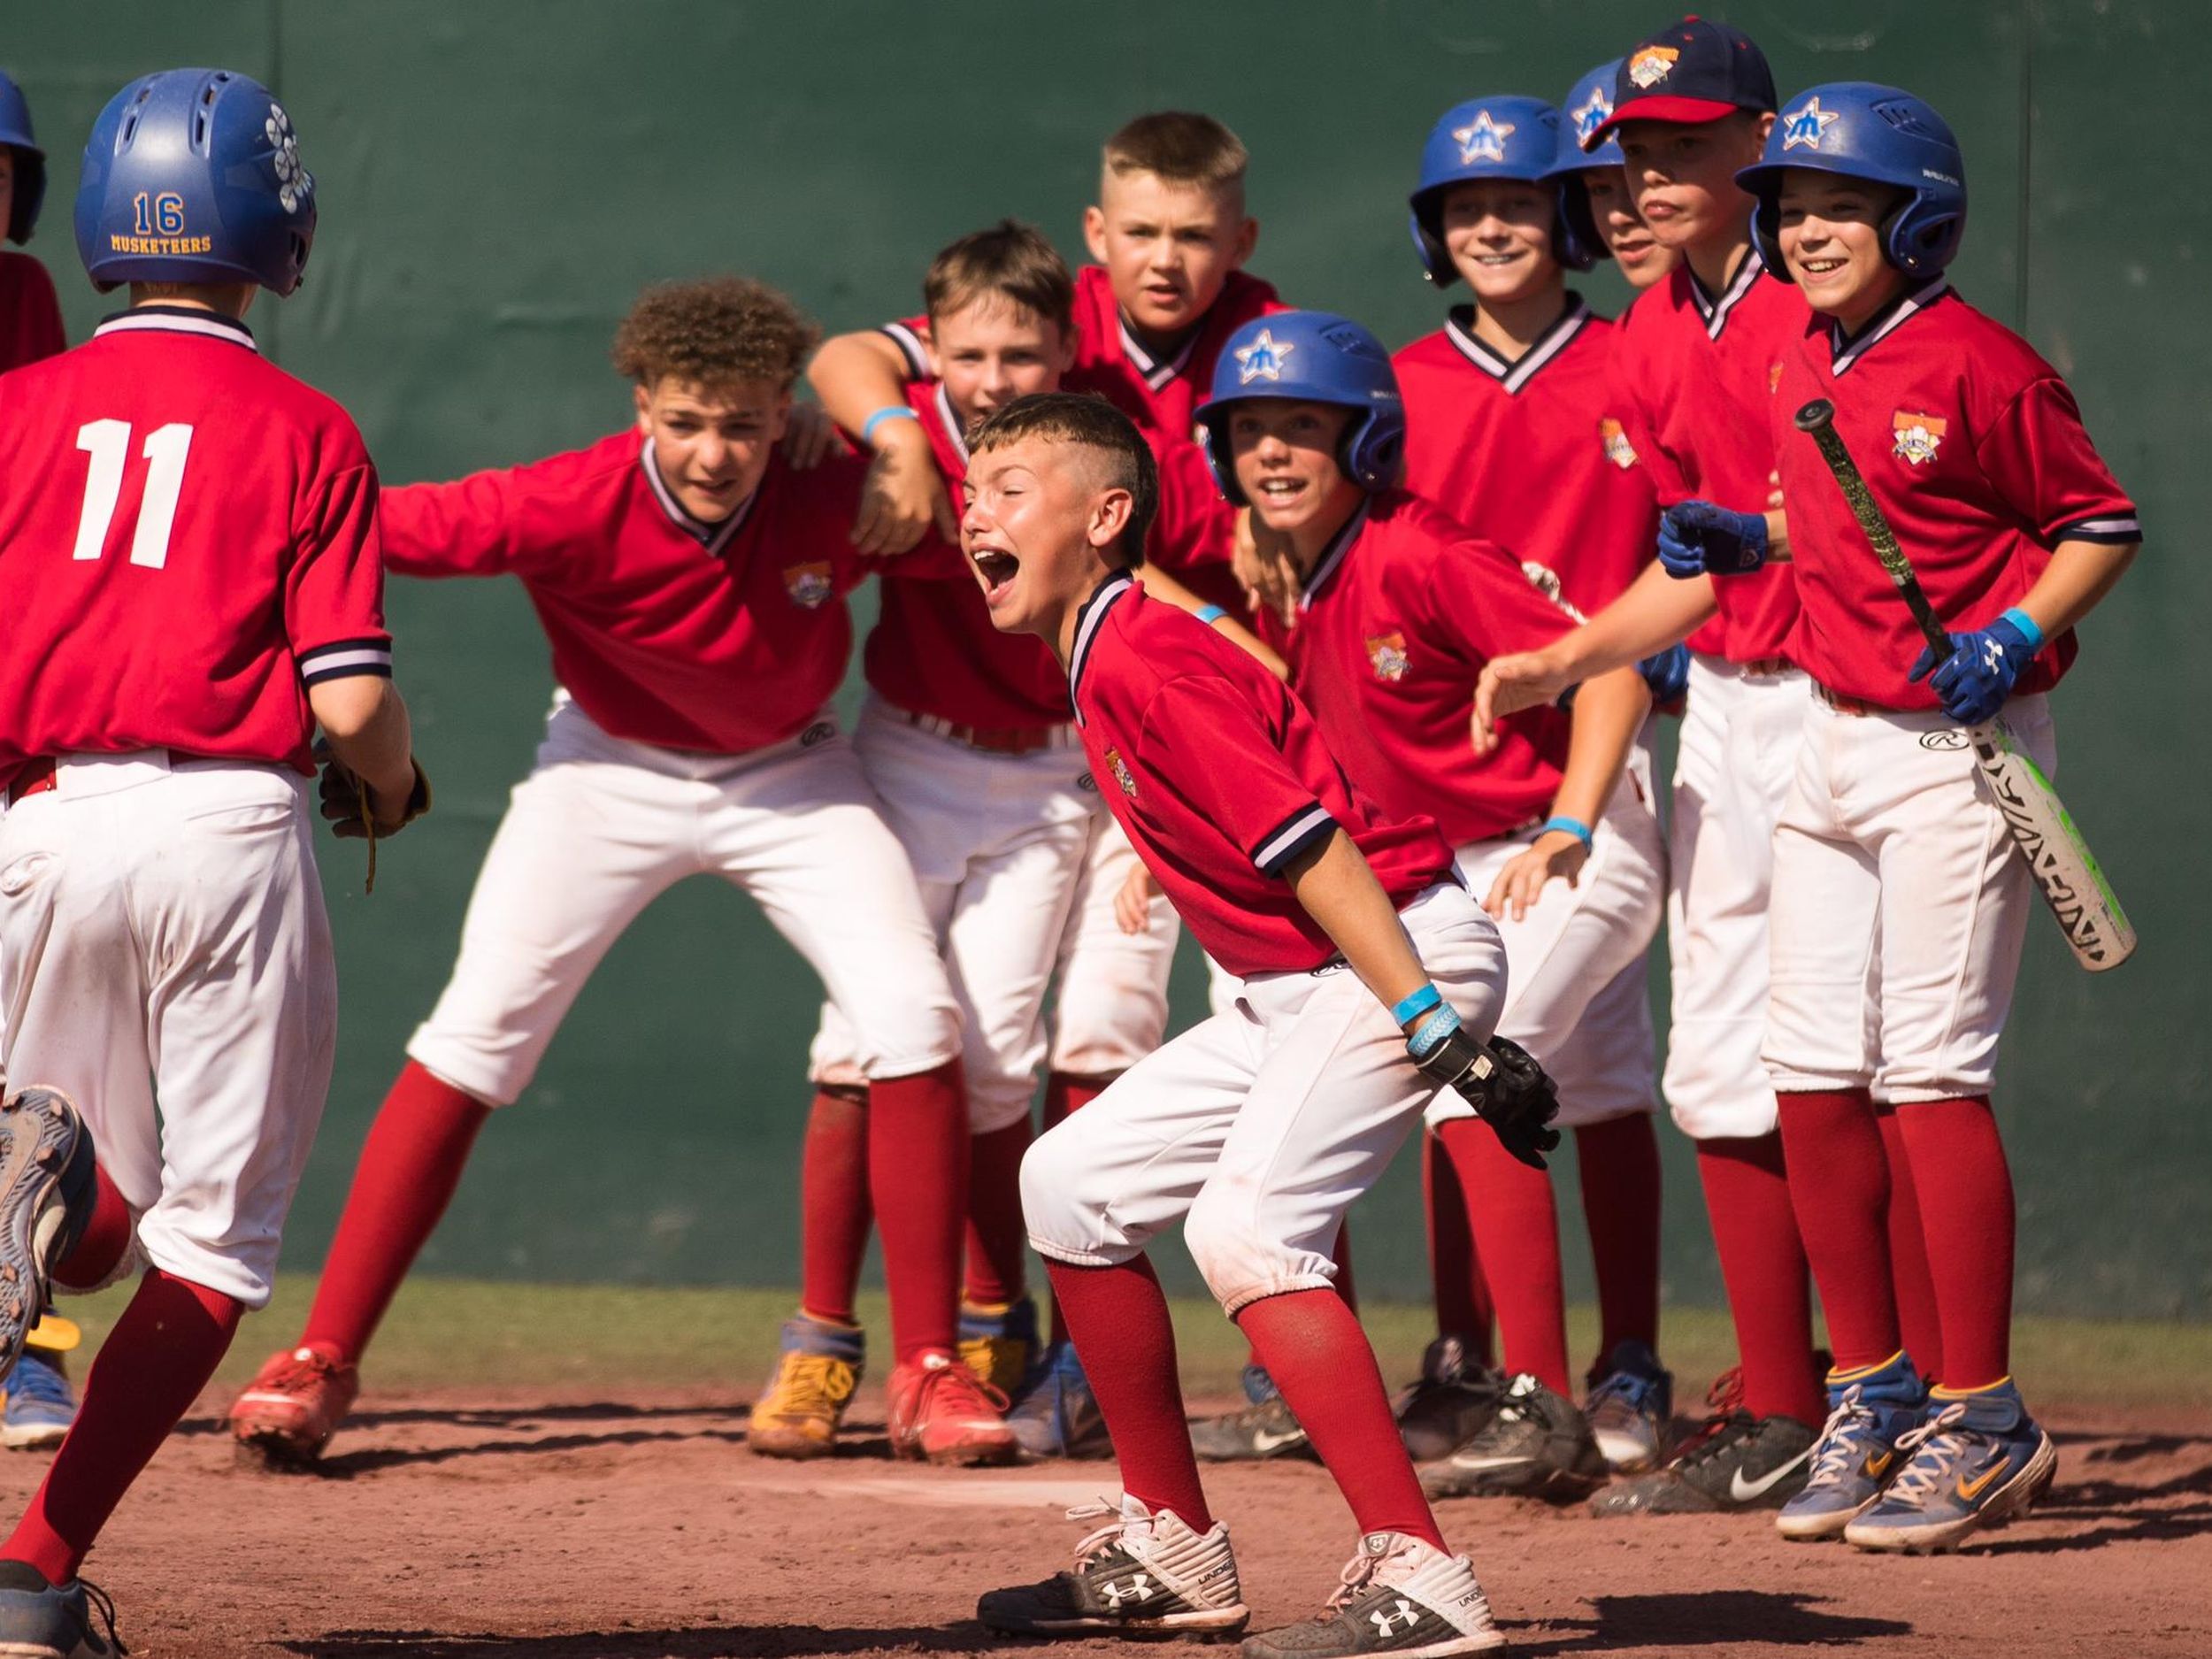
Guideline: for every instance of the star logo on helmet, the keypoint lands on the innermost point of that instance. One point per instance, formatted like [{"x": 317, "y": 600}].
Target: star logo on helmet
[
  {"x": 1263, "y": 359},
  {"x": 1592, "y": 115},
  {"x": 1484, "y": 140},
  {"x": 1803, "y": 128}
]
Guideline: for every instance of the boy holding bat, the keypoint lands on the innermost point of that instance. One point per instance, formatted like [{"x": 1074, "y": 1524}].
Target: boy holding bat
[{"x": 1898, "y": 904}]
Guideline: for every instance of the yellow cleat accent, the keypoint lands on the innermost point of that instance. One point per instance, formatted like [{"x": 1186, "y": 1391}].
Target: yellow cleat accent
[{"x": 54, "y": 1334}]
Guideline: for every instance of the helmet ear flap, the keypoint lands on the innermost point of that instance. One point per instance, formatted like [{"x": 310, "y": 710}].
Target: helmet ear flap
[
  {"x": 30, "y": 191},
  {"x": 1575, "y": 242},
  {"x": 1221, "y": 461},
  {"x": 1428, "y": 242},
  {"x": 1919, "y": 239},
  {"x": 1766, "y": 233},
  {"x": 1372, "y": 453}
]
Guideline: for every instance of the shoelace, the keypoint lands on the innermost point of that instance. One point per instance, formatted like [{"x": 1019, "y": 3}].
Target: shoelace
[
  {"x": 1623, "y": 1391},
  {"x": 1722, "y": 1401},
  {"x": 1935, "y": 1445},
  {"x": 103, "y": 1604},
  {"x": 41, "y": 1382},
  {"x": 1839, "y": 1448},
  {"x": 1095, "y": 1543},
  {"x": 815, "y": 1385},
  {"x": 970, "y": 1397},
  {"x": 1358, "y": 1574},
  {"x": 303, "y": 1369}
]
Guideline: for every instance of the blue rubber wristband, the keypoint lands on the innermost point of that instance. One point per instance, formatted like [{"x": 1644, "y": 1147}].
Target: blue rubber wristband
[
  {"x": 1416, "y": 1002},
  {"x": 1574, "y": 827},
  {"x": 1431, "y": 1032},
  {"x": 2025, "y": 623},
  {"x": 889, "y": 412},
  {"x": 1209, "y": 614}
]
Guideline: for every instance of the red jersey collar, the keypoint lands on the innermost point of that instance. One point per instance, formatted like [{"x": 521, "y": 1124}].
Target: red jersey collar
[
  {"x": 1104, "y": 598},
  {"x": 178, "y": 320},
  {"x": 1460, "y": 330},
  {"x": 1331, "y": 557},
  {"x": 1845, "y": 349},
  {"x": 1157, "y": 373},
  {"x": 713, "y": 537},
  {"x": 1715, "y": 311}
]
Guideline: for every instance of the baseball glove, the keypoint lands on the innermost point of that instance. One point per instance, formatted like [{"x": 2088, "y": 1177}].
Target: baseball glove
[
  {"x": 346, "y": 805},
  {"x": 1508, "y": 1090}
]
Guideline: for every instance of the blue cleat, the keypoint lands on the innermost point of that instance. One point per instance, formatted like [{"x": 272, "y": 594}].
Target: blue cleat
[
  {"x": 1870, "y": 1411},
  {"x": 1630, "y": 1408},
  {"x": 43, "y": 1620},
  {"x": 1056, "y": 1414},
  {"x": 40, "y": 1404},
  {"x": 1979, "y": 1461},
  {"x": 1000, "y": 1345}
]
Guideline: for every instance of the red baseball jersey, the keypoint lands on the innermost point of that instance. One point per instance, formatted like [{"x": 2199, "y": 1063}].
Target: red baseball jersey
[
  {"x": 30, "y": 316},
  {"x": 1160, "y": 395},
  {"x": 1399, "y": 615},
  {"x": 188, "y": 541},
  {"x": 1533, "y": 454},
  {"x": 721, "y": 638},
  {"x": 1222, "y": 779},
  {"x": 1700, "y": 372},
  {"x": 1976, "y": 453}
]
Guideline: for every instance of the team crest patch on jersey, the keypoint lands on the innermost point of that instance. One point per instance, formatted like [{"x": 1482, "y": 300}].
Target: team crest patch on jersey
[
  {"x": 1388, "y": 655},
  {"x": 1803, "y": 127},
  {"x": 1918, "y": 436},
  {"x": 1618, "y": 449},
  {"x": 1774, "y": 378},
  {"x": 1652, "y": 64},
  {"x": 1263, "y": 359},
  {"x": 1484, "y": 140},
  {"x": 1592, "y": 115},
  {"x": 809, "y": 584},
  {"x": 1119, "y": 767}
]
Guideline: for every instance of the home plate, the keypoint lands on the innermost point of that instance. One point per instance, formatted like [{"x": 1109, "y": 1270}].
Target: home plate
[{"x": 971, "y": 1492}]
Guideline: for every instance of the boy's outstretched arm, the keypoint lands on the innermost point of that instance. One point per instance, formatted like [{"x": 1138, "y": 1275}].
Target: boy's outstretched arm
[{"x": 857, "y": 375}]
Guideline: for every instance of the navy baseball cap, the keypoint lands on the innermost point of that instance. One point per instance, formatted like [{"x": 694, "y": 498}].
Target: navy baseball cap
[{"x": 1689, "y": 71}]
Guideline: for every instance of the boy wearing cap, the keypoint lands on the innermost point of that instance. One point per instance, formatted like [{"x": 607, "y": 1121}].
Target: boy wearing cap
[
  {"x": 1514, "y": 424},
  {"x": 1896, "y": 889}
]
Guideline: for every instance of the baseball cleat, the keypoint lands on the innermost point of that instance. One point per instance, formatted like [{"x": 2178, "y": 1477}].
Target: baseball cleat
[
  {"x": 48, "y": 1183},
  {"x": 1400, "y": 1597},
  {"x": 1870, "y": 1411},
  {"x": 1629, "y": 1407},
  {"x": 1539, "y": 1446},
  {"x": 818, "y": 1368},
  {"x": 292, "y": 1406},
  {"x": 39, "y": 1619},
  {"x": 40, "y": 1404},
  {"x": 1736, "y": 1462},
  {"x": 1141, "y": 1574},
  {"x": 999, "y": 1344},
  {"x": 940, "y": 1413},
  {"x": 1058, "y": 1416},
  {"x": 1261, "y": 1430},
  {"x": 1978, "y": 1462},
  {"x": 1450, "y": 1403}
]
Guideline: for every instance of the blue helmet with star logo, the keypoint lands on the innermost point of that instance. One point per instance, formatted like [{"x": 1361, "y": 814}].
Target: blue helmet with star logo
[
  {"x": 1505, "y": 137},
  {"x": 1309, "y": 358},
  {"x": 193, "y": 175},
  {"x": 1880, "y": 133},
  {"x": 1589, "y": 105}
]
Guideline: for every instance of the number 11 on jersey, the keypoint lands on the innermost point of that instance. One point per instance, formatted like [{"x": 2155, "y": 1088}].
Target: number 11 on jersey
[{"x": 107, "y": 442}]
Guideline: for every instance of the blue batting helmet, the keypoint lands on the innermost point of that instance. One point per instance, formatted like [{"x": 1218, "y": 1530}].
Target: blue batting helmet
[
  {"x": 193, "y": 175},
  {"x": 30, "y": 160},
  {"x": 1484, "y": 138},
  {"x": 1309, "y": 358},
  {"x": 1589, "y": 105},
  {"x": 1879, "y": 133}
]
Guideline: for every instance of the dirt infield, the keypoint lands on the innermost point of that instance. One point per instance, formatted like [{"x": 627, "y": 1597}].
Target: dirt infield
[{"x": 489, "y": 1528}]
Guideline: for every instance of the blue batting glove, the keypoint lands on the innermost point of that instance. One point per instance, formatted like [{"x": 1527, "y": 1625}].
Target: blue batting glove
[
  {"x": 1696, "y": 539},
  {"x": 1973, "y": 681},
  {"x": 1666, "y": 673}
]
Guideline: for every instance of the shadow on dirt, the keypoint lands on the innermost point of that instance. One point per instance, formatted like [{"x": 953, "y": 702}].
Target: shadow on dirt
[
  {"x": 772, "y": 1641},
  {"x": 1695, "y": 1619}
]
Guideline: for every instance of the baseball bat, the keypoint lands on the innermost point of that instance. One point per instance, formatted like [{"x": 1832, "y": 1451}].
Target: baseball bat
[{"x": 2065, "y": 872}]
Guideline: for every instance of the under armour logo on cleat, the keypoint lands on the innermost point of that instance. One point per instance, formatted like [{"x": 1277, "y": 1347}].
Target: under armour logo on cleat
[
  {"x": 1136, "y": 1590},
  {"x": 1385, "y": 1621}
]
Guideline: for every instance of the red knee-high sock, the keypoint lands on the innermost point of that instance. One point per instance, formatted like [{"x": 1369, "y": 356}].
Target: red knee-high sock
[
  {"x": 1340, "y": 1252},
  {"x": 99, "y": 1249},
  {"x": 1313, "y": 1347},
  {"x": 1762, "y": 1265},
  {"x": 1619, "y": 1160},
  {"x": 917, "y": 1174},
  {"x": 1839, "y": 1188},
  {"x": 154, "y": 1363},
  {"x": 1463, "y": 1296},
  {"x": 834, "y": 1210},
  {"x": 1065, "y": 1092},
  {"x": 1965, "y": 1190},
  {"x": 1909, "y": 1279},
  {"x": 997, "y": 1240},
  {"x": 1119, "y": 1321},
  {"x": 1515, "y": 1224},
  {"x": 410, "y": 1166}
]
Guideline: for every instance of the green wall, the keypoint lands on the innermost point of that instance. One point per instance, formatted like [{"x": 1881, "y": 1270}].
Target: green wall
[{"x": 497, "y": 178}]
